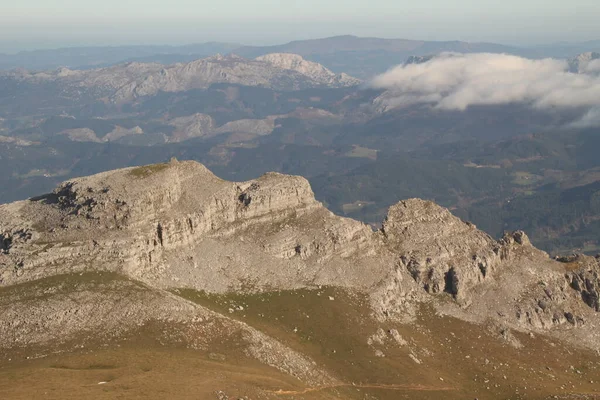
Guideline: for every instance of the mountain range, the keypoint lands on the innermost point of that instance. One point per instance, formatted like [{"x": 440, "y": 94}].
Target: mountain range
[
  {"x": 362, "y": 57},
  {"x": 126, "y": 82},
  {"x": 259, "y": 275}
]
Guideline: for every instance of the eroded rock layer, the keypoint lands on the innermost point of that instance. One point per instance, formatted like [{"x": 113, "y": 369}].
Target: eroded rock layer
[{"x": 176, "y": 225}]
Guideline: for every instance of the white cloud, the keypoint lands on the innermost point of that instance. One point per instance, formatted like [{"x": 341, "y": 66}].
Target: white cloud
[
  {"x": 590, "y": 119},
  {"x": 593, "y": 67},
  {"x": 456, "y": 81}
]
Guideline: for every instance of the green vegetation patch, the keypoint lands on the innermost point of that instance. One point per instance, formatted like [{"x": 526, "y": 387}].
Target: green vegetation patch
[
  {"x": 362, "y": 152},
  {"x": 526, "y": 179},
  {"x": 454, "y": 359},
  {"x": 147, "y": 170},
  {"x": 47, "y": 287}
]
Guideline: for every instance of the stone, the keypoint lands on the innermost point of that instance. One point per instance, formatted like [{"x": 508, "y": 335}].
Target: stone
[{"x": 177, "y": 225}]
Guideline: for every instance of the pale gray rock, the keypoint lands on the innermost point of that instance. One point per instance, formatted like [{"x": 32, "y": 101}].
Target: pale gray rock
[
  {"x": 15, "y": 141},
  {"x": 442, "y": 253},
  {"x": 257, "y": 127},
  {"x": 193, "y": 126},
  {"x": 120, "y": 132},
  {"x": 177, "y": 225},
  {"x": 314, "y": 70},
  {"x": 81, "y": 135},
  {"x": 127, "y": 82},
  {"x": 233, "y": 69}
]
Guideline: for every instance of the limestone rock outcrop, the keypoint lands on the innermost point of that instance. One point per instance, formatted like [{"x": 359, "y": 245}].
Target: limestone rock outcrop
[
  {"x": 442, "y": 253},
  {"x": 177, "y": 225},
  {"x": 316, "y": 71},
  {"x": 584, "y": 277}
]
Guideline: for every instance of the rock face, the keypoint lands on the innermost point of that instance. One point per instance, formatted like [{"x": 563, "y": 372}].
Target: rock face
[
  {"x": 585, "y": 278},
  {"x": 314, "y": 70},
  {"x": 441, "y": 252},
  {"x": 136, "y": 220},
  {"x": 176, "y": 225}
]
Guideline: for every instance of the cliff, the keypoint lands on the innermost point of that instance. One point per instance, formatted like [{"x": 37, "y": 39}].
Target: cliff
[{"x": 177, "y": 225}]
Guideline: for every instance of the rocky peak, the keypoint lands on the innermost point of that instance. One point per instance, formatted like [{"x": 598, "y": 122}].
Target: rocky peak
[
  {"x": 442, "y": 252},
  {"x": 583, "y": 274},
  {"x": 316, "y": 71},
  {"x": 130, "y": 196},
  {"x": 170, "y": 205},
  {"x": 295, "y": 62},
  {"x": 585, "y": 63},
  {"x": 421, "y": 225}
]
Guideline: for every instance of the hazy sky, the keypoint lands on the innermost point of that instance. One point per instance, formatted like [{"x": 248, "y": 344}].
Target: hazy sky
[{"x": 51, "y": 23}]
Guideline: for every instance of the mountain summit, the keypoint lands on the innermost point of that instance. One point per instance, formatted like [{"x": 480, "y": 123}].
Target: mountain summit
[{"x": 311, "y": 69}]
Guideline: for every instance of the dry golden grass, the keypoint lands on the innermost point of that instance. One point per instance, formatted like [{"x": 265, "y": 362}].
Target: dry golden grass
[
  {"x": 458, "y": 360},
  {"x": 452, "y": 352},
  {"x": 147, "y": 170}
]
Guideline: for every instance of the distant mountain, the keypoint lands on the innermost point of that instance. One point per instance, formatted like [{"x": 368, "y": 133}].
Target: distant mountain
[
  {"x": 351, "y": 43},
  {"x": 365, "y": 57},
  {"x": 90, "y": 57},
  {"x": 311, "y": 69},
  {"x": 278, "y": 73},
  {"x": 585, "y": 62},
  {"x": 126, "y": 82},
  {"x": 418, "y": 59},
  {"x": 568, "y": 50},
  {"x": 362, "y": 57},
  {"x": 358, "y": 56},
  {"x": 334, "y": 45}
]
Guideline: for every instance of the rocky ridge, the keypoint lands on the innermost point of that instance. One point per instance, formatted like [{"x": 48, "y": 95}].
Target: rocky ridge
[
  {"x": 125, "y": 83},
  {"x": 176, "y": 225},
  {"x": 316, "y": 71}
]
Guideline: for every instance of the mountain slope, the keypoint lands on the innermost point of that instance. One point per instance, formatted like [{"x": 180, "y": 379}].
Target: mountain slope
[
  {"x": 261, "y": 270},
  {"x": 128, "y": 82}
]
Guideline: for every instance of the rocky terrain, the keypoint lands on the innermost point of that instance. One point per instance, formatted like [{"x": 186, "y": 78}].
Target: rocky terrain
[
  {"x": 124, "y": 83},
  {"x": 173, "y": 247},
  {"x": 318, "y": 72}
]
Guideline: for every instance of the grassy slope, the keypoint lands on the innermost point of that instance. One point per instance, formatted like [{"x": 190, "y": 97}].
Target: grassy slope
[
  {"x": 453, "y": 353},
  {"x": 330, "y": 326}
]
